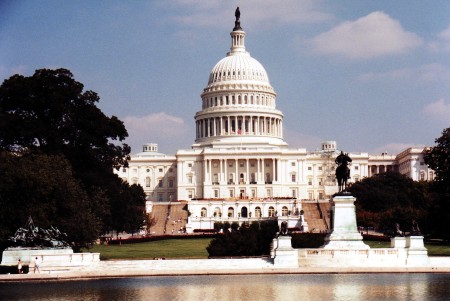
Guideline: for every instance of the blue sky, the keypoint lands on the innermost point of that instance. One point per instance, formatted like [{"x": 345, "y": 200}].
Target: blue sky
[{"x": 372, "y": 75}]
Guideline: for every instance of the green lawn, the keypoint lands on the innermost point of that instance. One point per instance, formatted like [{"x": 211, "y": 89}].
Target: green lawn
[
  {"x": 169, "y": 248},
  {"x": 433, "y": 249},
  {"x": 196, "y": 248}
]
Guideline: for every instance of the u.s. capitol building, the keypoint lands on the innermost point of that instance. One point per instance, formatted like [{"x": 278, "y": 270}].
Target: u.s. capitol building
[{"x": 239, "y": 167}]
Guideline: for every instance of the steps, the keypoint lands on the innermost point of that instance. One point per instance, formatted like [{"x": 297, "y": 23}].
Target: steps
[{"x": 313, "y": 215}]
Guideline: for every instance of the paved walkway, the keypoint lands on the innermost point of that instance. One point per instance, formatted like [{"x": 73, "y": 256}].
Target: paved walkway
[{"x": 140, "y": 268}]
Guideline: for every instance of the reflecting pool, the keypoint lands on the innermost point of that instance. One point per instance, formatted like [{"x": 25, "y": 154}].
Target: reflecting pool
[{"x": 242, "y": 287}]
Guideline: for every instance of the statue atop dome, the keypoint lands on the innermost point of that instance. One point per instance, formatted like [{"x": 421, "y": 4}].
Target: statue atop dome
[{"x": 237, "y": 23}]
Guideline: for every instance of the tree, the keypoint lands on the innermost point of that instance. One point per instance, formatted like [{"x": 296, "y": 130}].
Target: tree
[
  {"x": 389, "y": 198},
  {"x": 49, "y": 114},
  {"x": 438, "y": 158},
  {"x": 30, "y": 187},
  {"x": 248, "y": 240}
]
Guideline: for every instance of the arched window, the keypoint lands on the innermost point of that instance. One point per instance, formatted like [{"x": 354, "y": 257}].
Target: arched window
[
  {"x": 203, "y": 212},
  {"x": 244, "y": 212},
  {"x": 271, "y": 211},
  {"x": 258, "y": 212},
  {"x": 230, "y": 212},
  {"x": 284, "y": 211},
  {"x": 217, "y": 212}
]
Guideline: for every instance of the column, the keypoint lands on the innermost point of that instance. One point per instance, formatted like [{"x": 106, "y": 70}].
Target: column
[{"x": 247, "y": 177}]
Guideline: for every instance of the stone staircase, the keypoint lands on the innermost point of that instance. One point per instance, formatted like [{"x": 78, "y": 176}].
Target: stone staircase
[
  {"x": 314, "y": 218},
  {"x": 169, "y": 217}
]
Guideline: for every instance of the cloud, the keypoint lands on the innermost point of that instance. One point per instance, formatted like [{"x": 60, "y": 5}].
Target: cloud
[
  {"x": 7, "y": 72},
  {"x": 374, "y": 35},
  {"x": 438, "y": 111},
  {"x": 253, "y": 12},
  {"x": 425, "y": 73},
  {"x": 442, "y": 42},
  {"x": 166, "y": 130},
  {"x": 297, "y": 139},
  {"x": 393, "y": 148}
]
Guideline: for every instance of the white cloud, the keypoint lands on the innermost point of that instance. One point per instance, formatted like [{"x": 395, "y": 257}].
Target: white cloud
[
  {"x": 297, "y": 139},
  {"x": 166, "y": 130},
  {"x": 7, "y": 72},
  {"x": 374, "y": 35},
  {"x": 442, "y": 43},
  {"x": 438, "y": 111},
  {"x": 425, "y": 73},
  {"x": 393, "y": 148}
]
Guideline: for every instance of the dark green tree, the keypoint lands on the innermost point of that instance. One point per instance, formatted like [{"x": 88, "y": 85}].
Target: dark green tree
[
  {"x": 438, "y": 158},
  {"x": 31, "y": 187},
  {"x": 248, "y": 240},
  {"x": 389, "y": 198},
  {"x": 49, "y": 113}
]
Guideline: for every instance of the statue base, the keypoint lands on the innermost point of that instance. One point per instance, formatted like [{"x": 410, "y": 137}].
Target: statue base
[
  {"x": 48, "y": 257},
  {"x": 344, "y": 233},
  {"x": 284, "y": 254}
]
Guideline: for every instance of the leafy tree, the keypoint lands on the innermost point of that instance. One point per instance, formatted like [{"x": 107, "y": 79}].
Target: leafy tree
[
  {"x": 438, "y": 158},
  {"x": 48, "y": 113},
  {"x": 248, "y": 240},
  {"x": 389, "y": 198},
  {"x": 30, "y": 187}
]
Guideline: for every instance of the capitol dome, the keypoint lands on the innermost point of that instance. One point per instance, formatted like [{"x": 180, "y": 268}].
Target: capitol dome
[{"x": 238, "y": 103}]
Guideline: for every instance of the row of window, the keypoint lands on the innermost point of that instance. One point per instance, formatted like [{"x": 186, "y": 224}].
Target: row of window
[
  {"x": 244, "y": 212},
  {"x": 239, "y": 100}
]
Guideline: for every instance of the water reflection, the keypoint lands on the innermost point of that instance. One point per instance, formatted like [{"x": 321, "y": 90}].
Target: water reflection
[{"x": 246, "y": 287}]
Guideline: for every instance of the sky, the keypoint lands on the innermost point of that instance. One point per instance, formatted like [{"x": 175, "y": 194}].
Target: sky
[{"x": 372, "y": 75}]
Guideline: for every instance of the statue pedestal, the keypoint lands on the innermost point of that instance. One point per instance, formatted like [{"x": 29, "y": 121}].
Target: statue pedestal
[
  {"x": 344, "y": 233},
  {"x": 417, "y": 253},
  {"x": 398, "y": 242},
  {"x": 284, "y": 254}
]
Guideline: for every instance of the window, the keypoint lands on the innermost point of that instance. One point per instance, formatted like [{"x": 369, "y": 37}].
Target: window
[
  {"x": 294, "y": 193},
  {"x": 170, "y": 169},
  {"x": 148, "y": 170},
  {"x": 320, "y": 195},
  {"x": 160, "y": 170},
  {"x": 269, "y": 192},
  {"x": 231, "y": 193},
  {"x": 160, "y": 183},
  {"x": 190, "y": 194},
  {"x": 253, "y": 192},
  {"x": 147, "y": 182},
  {"x": 356, "y": 167},
  {"x": 292, "y": 163},
  {"x": 124, "y": 170},
  {"x": 170, "y": 183},
  {"x": 320, "y": 167},
  {"x": 320, "y": 181},
  {"x": 293, "y": 178},
  {"x": 284, "y": 211},
  {"x": 230, "y": 212},
  {"x": 309, "y": 181},
  {"x": 160, "y": 197},
  {"x": 257, "y": 212},
  {"x": 216, "y": 193},
  {"x": 203, "y": 212},
  {"x": 271, "y": 211},
  {"x": 309, "y": 168},
  {"x": 241, "y": 164},
  {"x": 189, "y": 178},
  {"x": 189, "y": 164}
]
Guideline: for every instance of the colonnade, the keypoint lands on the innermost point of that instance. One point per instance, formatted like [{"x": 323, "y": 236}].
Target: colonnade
[
  {"x": 376, "y": 169},
  {"x": 231, "y": 171},
  {"x": 239, "y": 125},
  {"x": 239, "y": 99}
]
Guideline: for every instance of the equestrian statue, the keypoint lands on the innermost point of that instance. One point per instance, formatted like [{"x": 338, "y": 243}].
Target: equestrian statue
[{"x": 342, "y": 170}]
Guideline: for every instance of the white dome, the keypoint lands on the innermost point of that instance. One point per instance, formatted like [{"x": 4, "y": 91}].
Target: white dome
[{"x": 238, "y": 68}]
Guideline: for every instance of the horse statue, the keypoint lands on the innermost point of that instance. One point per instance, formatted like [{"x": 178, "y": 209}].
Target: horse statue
[{"x": 342, "y": 171}]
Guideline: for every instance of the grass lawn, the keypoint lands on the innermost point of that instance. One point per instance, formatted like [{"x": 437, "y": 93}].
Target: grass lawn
[
  {"x": 169, "y": 248},
  {"x": 196, "y": 248},
  {"x": 433, "y": 249}
]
